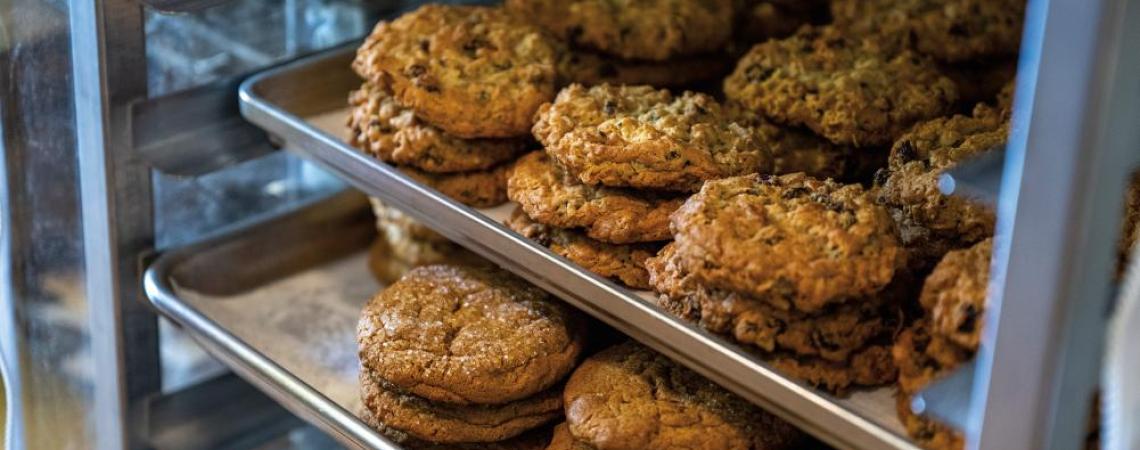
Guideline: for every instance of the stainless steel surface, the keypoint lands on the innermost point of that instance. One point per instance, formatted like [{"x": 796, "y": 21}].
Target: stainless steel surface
[
  {"x": 197, "y": 131},
  {"x": 108, "y": 54},
  {"x": 283, "y": 100},
  {"x": 1073, "y": 141},
  {"x": 978, "y": 179},
  {"x": 282, "y": 317}
]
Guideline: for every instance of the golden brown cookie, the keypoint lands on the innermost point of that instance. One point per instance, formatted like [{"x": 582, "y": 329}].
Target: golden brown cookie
[
  {"x": 833, "y": 336},
  {"x": 798, "y": 150},
  {"x": 654, "y": 30},
  {"x": 871, "y": 366},
  {"x": 589, "y": 68},
  {"x": 624, "y": 263},
  {"x": 392, "y": 222},
  {"x": 954, "y": 294},
  {"x": 619, "y": 216},
  {"x": 922, "y": 357},
  {"x": 471, "y": 71},
  {"x": 638, "y": 136},
  {"x": 927, "y": 432},
  {"x": 930, "y": 223},
  {"x": 760, "y": 20},
  {"x": 979, "y": 82},
  {"x": 563, "y": 440},
  {"x": 446, "y": 423},
  {"x": 848, "y": 90},
  {"x": 1129, "y": 224},
  {"x": 630, "y": 397},
  {"x": 390, "y": 132},
  {"x": 477, "y": 189},
  {"x": 536, "y": 439},
  {"x": 950, "y": 30},
  {"x": 386, "y": 268},
  {"x": 468, "y": 335},
  {"x": 790, "y": 240}
]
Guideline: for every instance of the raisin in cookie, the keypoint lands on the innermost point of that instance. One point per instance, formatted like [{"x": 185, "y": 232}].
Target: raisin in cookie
[
  {"x": 390, "y": 132},
  {"x": 950, "y": 30},
  {"x": 638, "y": 136},
  {"x": 654, "y": 30},
  {"x": 833, "y": 336},
  {"x": 446, "y": 423},
  {"x": 930, "y": 222},
  {"x": 471, "y": 71},
  {"x": 788, "y": 239},
  {"x": 844, "y": 88},
  {"x": 612, "y": 215},
  {"x": 477, "y": 189},
  {"x": 468, "y": 335},
  {"x": 624, "y": 263},
  {"x": 954, "y": 294},
  {"x": 630, "y": 397}
]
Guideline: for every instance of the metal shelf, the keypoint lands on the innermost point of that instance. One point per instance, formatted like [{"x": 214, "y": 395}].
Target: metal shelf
[{"x": 308, "y": 117}]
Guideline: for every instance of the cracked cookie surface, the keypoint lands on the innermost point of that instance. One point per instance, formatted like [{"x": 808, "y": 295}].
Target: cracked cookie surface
[
  {"x": 590, "y": 68},
  {"x": 472, "y": 71},
  {"x": 630, "y": 397},
  {"x": 653, "y": 30},
  {"x": 788, "y": 240},
  {"x": 444, "y": 423},
  {"x": 622, "y": 262},
  {"x": 468, "y": 335},
  {"x": 477, "y": 189},
  {"x": 847, "y": 89},
  {"x": 614, "y": 215},
  {"x": 383, "y": 128},
  {"x": 642, "y": 137}
]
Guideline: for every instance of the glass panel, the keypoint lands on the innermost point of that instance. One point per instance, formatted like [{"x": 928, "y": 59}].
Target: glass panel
[{"x": 43, "y": 315}]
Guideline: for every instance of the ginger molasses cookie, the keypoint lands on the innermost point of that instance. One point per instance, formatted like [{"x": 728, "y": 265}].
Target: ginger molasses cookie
[
  {"x": 468, "y": 335},
  {"x": 471, "y": 71},
  {"x": 638, "y": 136},
  {"x": 536, "y": 439},
  {"x": 950, "y": 30},
  {"x": 630, "y": 397},
  {"x": 477, "y": 189},
  {"x": 833, "y": 336},
  {"x": 621, "y": 216},
  {"x": 788, "y": 240},
  {"x": 847, "y": 89},
  {"x": 563, "y": 440},
  {"x": 624, "y": 263},
  {"x": 590, "y": 68},
  {"x": 390, "y": 132},
  {"x": 931, "y": 223},
  {"x": 954, "y": 294},
  {"x": 653, "y": 30},
  {"x": 446, "y": 423}
]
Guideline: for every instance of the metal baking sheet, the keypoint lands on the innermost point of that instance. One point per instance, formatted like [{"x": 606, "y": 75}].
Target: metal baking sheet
[{"x": 303, "y": 106}]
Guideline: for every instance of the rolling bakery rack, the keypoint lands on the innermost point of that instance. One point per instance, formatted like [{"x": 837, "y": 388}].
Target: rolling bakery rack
[{"x": 1057, "y": 190}]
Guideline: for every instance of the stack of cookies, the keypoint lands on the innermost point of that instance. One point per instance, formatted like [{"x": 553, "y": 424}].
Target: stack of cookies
[
  {"x": 629, "y": 397},
  {"x": 953, "y": 299},
  {"x": 664, "y": 43},
  {"x": 448, "y": 97},
  {"x": 453, "y": 354},
  {"x": 808, "y": 273}
]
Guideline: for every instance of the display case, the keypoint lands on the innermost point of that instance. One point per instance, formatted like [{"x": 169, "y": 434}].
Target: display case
[{"x": 158, "y": 152}]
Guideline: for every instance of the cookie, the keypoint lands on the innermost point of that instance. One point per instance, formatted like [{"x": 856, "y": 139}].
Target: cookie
[
  {"x": 833, "y": 336},
  {"x": 590, "y": 68},
  {"x": 760, "y": 20},
  {"x": 383, "y": 128},
  {"x": 654, "y": 30},
  {"x": 445, "y": 423},
  {"x": 536, "y": 439},
  {"x": 396, "y": 224},
  {"x": 979, "y": 82},
  {"x": 846, "y": 89},
  {"x": 563, "y": 440},
  {"x": 638, "y": 136},
  {"x": 950, "y": 30},
  {"x": 468, "y": 335},
  {"x": 477, "y": 189},
  {"x": 623, "y": 263},
  {"x": 382, "y": 265},
  {"x": 931, "y": 223},
  {"x": 619, "y": 216},
  {"x": 630, "y": 397},
  {"x": 798, "y": 150},
  {"x": 1128, "y": 227},
  {"x": 922, "y": 357},
  {"x": 954, "y": 294},
  {"x": 788, "y": 240},
  {"x": 927, "y": 432},
  {"x": 471, "y": 71},
  {"x": 871, "y": 366}
]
